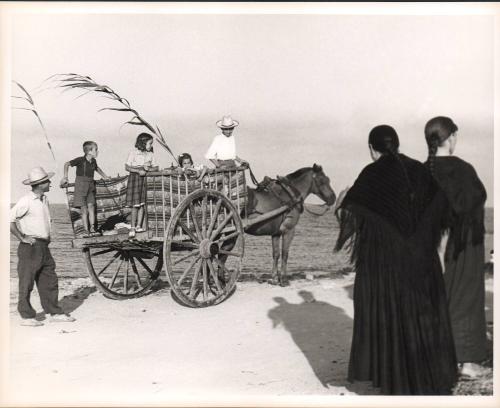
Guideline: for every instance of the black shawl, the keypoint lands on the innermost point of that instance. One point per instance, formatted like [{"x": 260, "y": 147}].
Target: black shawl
[
  {"x": 392, "y": 191},
  {"x": 466, "y": 195}
]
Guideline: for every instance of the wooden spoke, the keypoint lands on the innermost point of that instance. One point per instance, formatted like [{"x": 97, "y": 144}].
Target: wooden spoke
[
  {"x": 195, "y": 221},
  {"x": 145, "y": 265},
  {"x": 115, "y": 256},
  {"x": 186, "y": 271},
  {"x": 204, "y": 217},
  {"x": 188, "y": 231},
  {"x": 125, "y": 280},
  {"x": 222, "y": 225},
  {"x": 215, "y": 216},
  {"x": 194, "y": 253},
  {"x": 116, "y": 274},
  {"x": 104, "y": 251},
  {"x": 195, "y": 281},
  {"x": 136, "y": 272},
  {"x": 205, "y": 283},
  {"x": 228, "y": 237},
  {"x": 214, "y": 275},
  {"x": 229, "y": 253}
]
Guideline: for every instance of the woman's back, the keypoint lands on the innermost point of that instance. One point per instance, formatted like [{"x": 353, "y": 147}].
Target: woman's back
[{"x": 391, "y": 219}]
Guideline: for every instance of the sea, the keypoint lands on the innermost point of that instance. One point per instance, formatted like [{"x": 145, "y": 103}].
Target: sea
[{"x": 311, "y": 252}]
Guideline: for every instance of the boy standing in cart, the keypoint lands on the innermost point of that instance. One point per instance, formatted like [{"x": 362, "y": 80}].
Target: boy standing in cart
[
  {"x": 85, "y": 185},
  {"x": 30, "y": 223}
]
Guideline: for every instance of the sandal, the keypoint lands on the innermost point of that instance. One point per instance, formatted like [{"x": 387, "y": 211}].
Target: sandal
[
  {"x": 131, "y": 233},
  {"x": 139, "y": 229}
]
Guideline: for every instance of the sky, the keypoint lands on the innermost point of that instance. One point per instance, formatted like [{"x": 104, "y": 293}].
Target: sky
[{"x": 305, "y": 88}]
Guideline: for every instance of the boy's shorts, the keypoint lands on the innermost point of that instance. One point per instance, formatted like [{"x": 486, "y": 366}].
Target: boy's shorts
[{"x": 84, "y": 191}]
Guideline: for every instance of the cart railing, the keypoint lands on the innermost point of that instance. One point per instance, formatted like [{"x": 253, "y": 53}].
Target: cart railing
[{"x": 166, "y": 189}]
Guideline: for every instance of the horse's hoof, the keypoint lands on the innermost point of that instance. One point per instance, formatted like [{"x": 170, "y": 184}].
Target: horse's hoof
[
  {"x": 273, "y": 281},
  {"x": 284, "y": 283}
]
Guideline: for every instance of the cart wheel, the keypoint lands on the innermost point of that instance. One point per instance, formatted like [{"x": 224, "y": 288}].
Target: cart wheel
[
  {"x": 203, "y": 249},
  {"x": 122, "y": 272}
]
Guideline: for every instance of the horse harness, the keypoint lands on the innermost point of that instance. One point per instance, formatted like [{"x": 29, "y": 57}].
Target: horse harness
[{"x": 275, "y": 186}]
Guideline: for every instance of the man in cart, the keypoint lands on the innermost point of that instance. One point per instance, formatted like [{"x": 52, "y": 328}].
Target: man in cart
[{"x": 30, "y": 223}]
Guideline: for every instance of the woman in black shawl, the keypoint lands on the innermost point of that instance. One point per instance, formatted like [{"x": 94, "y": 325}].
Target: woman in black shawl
[
  {"x": 391, "y": 219},
  {"x": 464, "y": 254}
]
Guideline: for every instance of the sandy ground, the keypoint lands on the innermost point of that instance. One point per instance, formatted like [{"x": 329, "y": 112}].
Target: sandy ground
[{"x": 263, "y": 341}]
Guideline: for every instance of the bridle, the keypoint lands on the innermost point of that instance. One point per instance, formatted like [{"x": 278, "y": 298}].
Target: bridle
[{"x": 325, "y": 206}]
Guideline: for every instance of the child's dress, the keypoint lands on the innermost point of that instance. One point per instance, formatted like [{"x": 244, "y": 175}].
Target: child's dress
[{"x": 136, "y": 186}]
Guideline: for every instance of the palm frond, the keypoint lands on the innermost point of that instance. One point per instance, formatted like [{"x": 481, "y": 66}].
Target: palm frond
[
  {"x": 27, "y": 97},
  {"x": 73, "y": 81}
]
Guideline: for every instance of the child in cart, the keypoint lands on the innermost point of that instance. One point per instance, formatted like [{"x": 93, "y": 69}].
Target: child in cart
[
  {"x": 187, "y": 167},
  {"x": 222, "y": 151},
  {"x": 85, "y": 185},
  {"x": 139, "y": 162}
]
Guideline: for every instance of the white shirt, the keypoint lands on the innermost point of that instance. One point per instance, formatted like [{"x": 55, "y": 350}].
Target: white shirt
[
  {"x": 32, "y": 215},
  {"x": 138, "y": 158},
  {"x": 222, "y": 148}
]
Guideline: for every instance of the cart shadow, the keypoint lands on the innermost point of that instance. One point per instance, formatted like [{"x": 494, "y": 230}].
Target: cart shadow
[
  {"x": 70, "y": 303},
  {"x": 322, "y": 332}
]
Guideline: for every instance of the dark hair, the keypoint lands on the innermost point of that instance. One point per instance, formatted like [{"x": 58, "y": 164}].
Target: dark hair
[
  {"x": 437, "y": 130},
  {"x": 87, "y": 146},
  {"x": 141, "y": 141},
  {"x": 184, "y": 156},
  {"x": 385, "y": 140}
]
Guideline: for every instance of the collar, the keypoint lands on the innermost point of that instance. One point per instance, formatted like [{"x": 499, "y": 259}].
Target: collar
[{"x": 35, "y": 197}]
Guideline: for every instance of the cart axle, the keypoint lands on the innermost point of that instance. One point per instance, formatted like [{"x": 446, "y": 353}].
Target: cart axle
[{"x": 208, "y": 248}]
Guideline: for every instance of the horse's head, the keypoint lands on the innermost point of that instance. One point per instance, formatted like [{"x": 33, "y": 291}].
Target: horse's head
[{"x": 321, "y": 185}]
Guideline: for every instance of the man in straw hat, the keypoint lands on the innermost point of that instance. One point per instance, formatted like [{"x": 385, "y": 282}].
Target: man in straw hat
[
  {"x": 222, "y": 151},
  {"x": 30, "y": 223}
]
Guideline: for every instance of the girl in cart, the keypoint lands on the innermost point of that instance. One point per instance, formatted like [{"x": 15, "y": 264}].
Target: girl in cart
[
  {"x": 139, "y": 162},
  {"x": 187, "y": 167}
]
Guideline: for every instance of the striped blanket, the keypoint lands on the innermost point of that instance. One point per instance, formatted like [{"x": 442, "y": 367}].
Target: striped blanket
[{"x": 164, "y": 193}]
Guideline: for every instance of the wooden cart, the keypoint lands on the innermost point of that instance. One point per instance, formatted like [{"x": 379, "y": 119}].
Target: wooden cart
[{"x": 194, "y": 230}]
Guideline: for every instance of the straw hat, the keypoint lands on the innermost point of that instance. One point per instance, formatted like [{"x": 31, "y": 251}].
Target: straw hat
[
  {"x": 37, "y": 175},
  {"x": 227, "y": 123}
]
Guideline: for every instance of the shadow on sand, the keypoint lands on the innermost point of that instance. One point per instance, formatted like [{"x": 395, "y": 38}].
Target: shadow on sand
[
  {"x": 70, "y": 303},
  {"x": 323, "y": 334}
]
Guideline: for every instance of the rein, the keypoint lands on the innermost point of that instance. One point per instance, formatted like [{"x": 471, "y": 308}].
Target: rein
[{"x": 326, "y": 206}]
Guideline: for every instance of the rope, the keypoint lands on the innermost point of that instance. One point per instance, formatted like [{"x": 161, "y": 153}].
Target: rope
[{"x": 252, "y": 176}]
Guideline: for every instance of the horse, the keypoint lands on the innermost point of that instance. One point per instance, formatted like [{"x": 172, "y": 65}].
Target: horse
[{"x": 290, "y": 190}]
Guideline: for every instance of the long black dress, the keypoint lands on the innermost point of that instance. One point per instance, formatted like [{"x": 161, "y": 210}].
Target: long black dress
[
  {"x": 464, "y": 256},
  {"x": 402, "y": 339}
]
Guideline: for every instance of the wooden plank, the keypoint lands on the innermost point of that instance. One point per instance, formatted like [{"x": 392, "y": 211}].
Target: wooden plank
[
  {"x": 264, "y": 217},
  {"x": 83, "y": 242}
]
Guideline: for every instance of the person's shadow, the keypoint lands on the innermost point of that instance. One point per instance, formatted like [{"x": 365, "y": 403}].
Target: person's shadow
[
  {"x": 70, "y": 303},
  {"x": 321, "y": 331}
]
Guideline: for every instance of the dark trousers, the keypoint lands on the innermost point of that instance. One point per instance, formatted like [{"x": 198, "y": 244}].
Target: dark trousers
[{"x": 37, "y": 265}]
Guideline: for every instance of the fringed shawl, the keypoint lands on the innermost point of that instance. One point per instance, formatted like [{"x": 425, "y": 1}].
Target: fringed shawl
[
  {"x": 466, "y": 195},
  {"x": 381, "y": 195}
]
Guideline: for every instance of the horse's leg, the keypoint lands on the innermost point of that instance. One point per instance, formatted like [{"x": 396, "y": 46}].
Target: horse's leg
[
  {"x": 285, "y": 247},
  {"x": 275, "y": 279},
  {"x": 227, "y": 246}
]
